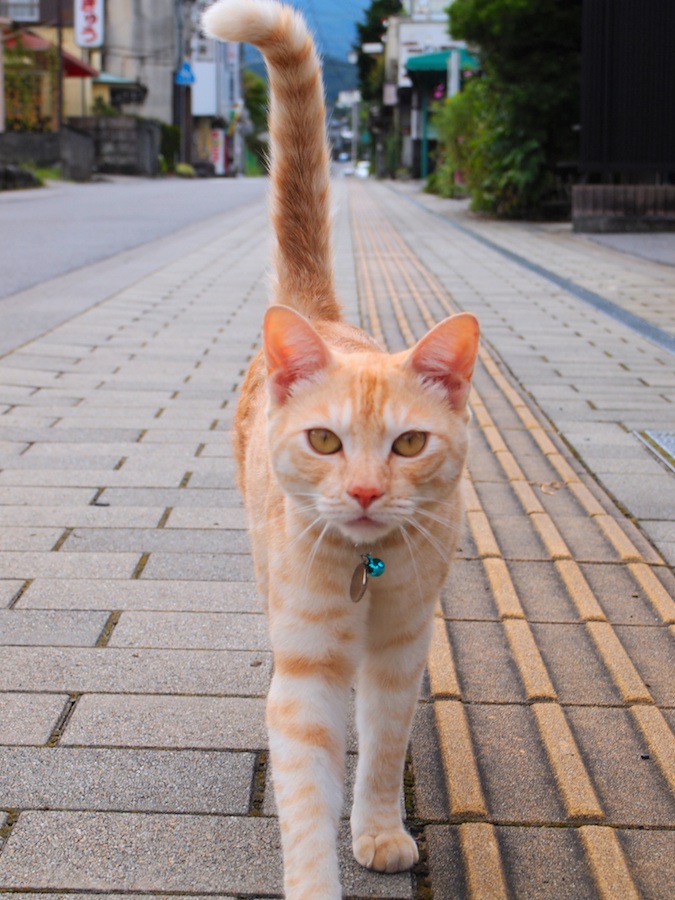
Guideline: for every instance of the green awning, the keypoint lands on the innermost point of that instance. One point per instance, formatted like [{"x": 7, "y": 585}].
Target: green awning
[
  {"x": 114, "y": 80},
  {"x": 438, "y": 62}
]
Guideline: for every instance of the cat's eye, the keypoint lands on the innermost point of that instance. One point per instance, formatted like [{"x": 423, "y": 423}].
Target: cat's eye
[
  {"x": 324, "y": 441},
  {"x": 409, "y": 444}
]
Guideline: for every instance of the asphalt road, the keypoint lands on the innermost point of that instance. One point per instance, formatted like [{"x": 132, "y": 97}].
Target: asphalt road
[
  {"x": 48, "y": 232},
  {"x": 67, "y": 247}
]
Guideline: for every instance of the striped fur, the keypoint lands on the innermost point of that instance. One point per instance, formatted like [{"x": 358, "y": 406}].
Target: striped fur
[{"x": 313, "y": 514}]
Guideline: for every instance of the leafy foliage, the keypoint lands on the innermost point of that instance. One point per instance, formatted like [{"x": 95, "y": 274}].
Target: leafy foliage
[
  {"x": 30, "y": 77},
  {"x": 525, "y": 107},
  {"x": 256, "y": 101}
]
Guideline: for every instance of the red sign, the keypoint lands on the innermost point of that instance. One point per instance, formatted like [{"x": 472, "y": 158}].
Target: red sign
[{"x": 89, "y": 20}]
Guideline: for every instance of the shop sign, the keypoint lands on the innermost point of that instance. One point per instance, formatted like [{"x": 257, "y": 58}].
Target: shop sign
[{"x": 89, "y": 19}]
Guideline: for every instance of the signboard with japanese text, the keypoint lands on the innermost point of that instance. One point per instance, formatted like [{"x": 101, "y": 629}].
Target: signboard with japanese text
[{"x": 89, "y": 20}]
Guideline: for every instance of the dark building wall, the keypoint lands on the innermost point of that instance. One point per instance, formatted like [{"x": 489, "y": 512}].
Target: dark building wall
[
  {"x": 628, "y": 93},
  {"x": 49, "y": 12}
]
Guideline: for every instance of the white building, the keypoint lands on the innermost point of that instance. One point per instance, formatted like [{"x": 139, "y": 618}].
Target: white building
[{"x": 217, "y": 105}]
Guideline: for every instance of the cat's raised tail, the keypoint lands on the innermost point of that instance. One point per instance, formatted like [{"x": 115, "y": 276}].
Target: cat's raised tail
[{"x": 300, "y": 161}]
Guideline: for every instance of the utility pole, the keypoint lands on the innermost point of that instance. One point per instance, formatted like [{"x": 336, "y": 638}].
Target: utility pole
[
  {"x": 59, "y": 89},
  {"x": 3, "y": 22}
]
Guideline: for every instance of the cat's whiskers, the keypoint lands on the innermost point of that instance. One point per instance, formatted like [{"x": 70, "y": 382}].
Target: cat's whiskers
[
  {"x": 408, "y": 543},
  {"x": 426, "y": 534},
  {"x": 314, "y": 551}
]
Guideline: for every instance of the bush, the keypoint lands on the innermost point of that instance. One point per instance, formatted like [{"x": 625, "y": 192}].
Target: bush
[
  {"x": 520, "y": 116},
  {"x": 185, "y": 170}
]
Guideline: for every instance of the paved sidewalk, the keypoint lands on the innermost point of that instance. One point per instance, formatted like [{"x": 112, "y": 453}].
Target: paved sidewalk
[{"x": 135, "y": 659}]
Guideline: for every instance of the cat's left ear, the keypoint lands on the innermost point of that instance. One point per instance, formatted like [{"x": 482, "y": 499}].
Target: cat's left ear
[
  {"x": 447, "y": 356},
  {"x": 293, "y": 350}
]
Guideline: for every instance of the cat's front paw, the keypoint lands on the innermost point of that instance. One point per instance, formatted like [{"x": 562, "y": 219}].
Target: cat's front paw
[{"x": 389, "y": 851}]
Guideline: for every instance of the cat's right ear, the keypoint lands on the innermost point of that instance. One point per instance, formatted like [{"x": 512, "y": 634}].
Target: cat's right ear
[{"x": 293, "y": 350}]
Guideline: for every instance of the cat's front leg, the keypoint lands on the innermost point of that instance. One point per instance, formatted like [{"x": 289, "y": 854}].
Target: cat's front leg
[
  {"x": 387, "y": 693},
  {"x": 306, "y": 718}
]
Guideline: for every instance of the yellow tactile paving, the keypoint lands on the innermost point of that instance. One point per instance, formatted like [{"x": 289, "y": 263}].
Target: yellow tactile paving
[
  {"x": 392, "y": 312},
  {"x": 442, "y": 671},
  {"x": 576, "y": 789},
  {"x": 527, "y": 657},
  {"x": 580, "y": 591},
  {"x": 659, "y": 737},
  {"x": 485, "y": 876},
  {"x": 503, "y": 591},
  {"x": 618, "y": 663},
  {"x": 658, "y": 596},
  {"x": 465, "y": 791},
  {"x": 608, "y": 864}
]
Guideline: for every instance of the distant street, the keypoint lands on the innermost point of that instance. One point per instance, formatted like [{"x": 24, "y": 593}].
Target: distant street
[{"x": 47, "y": 232}]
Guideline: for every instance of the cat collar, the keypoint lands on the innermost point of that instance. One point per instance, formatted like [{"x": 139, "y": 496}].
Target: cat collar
[{"x": 369, "y": 567}]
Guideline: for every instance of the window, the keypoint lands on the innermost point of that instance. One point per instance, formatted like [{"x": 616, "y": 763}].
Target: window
[{"x": 21, "y": 10}]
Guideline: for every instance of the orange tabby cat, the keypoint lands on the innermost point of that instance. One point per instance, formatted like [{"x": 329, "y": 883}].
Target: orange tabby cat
[{"x": 344, "y": 451}]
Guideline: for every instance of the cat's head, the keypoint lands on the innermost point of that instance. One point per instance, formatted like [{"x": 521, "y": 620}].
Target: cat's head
[{"x": 365, "y": 439}]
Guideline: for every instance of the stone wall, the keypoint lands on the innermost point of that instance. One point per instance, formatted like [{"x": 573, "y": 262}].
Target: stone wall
[
  {"x": 123, "y": 145},
  {"x": 69, "y": 149},
  {"x": 623, "y": 207}
]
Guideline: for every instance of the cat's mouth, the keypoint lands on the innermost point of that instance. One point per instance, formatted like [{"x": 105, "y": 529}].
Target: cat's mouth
[{"x": 365, "y": 528}]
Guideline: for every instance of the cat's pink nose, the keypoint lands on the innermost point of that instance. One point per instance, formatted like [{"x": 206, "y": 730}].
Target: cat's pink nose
[{"x": 365, "y": 495}]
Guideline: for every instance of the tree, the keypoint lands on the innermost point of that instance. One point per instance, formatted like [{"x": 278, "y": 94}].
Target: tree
[
  {"x": 256, "y": 102},
  {"x": 370, "y": 68},
  {"x": 526, "y": 104}
]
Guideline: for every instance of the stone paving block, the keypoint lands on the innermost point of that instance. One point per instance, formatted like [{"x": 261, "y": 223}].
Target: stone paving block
[
  {"x": 199, "y": 567},
  {"x": 191, "y": 631},
  {"x": 27, "y": 469},
  {"x": 431, "y": 790},
  {"x": 467, "y": 593},
  {"x": 484, "y": 666},
  {"x": 518, "y": 540},
  {"x": 9, "y": 450},
  {"x": 218, "y": 723},
  {"x": 127, "y": 852},
  {"x": 68, "y": 565},
  {"x": 652, "y": 861},
  {"x": 164, "y": 853},
  {"x": 445, "y": 862},
  {"x": 174, "y": 540},
  {"x": 653, "y": 655},
  {"x": 45, "y": 627},
  {"x": 165, "y": 497},
  {"x": 8, "y": 591},
  {"x": 516, "y": 775},
  {"x": 169, "y": 476},
  {"x": 574, "y": 666},
  {"x": 177, "y": 781},
  {"x": 46, "y": 496},
  {"x": 229, "y": 519},
  {"x": 29, "y": 538},
  {"x": 29, "y": 718},
  {"x": 613, "y": 748},
  {"x": 188, "y": 596},
  {"x": 80, "y": 516},
  {"x": 542, "y": 592},
  {"x": 622, "y": 599},
  {"x": 212, "y": 473},
  {"x": 136, "y": 671},
  {"x": 649, "y": 497}
]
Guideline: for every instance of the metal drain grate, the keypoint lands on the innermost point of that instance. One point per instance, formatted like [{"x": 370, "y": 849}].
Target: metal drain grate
[{"x": 661, "y": 443}]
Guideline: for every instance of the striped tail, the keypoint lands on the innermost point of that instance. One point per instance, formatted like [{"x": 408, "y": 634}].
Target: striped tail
[{"x": 300, "y": 161}]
